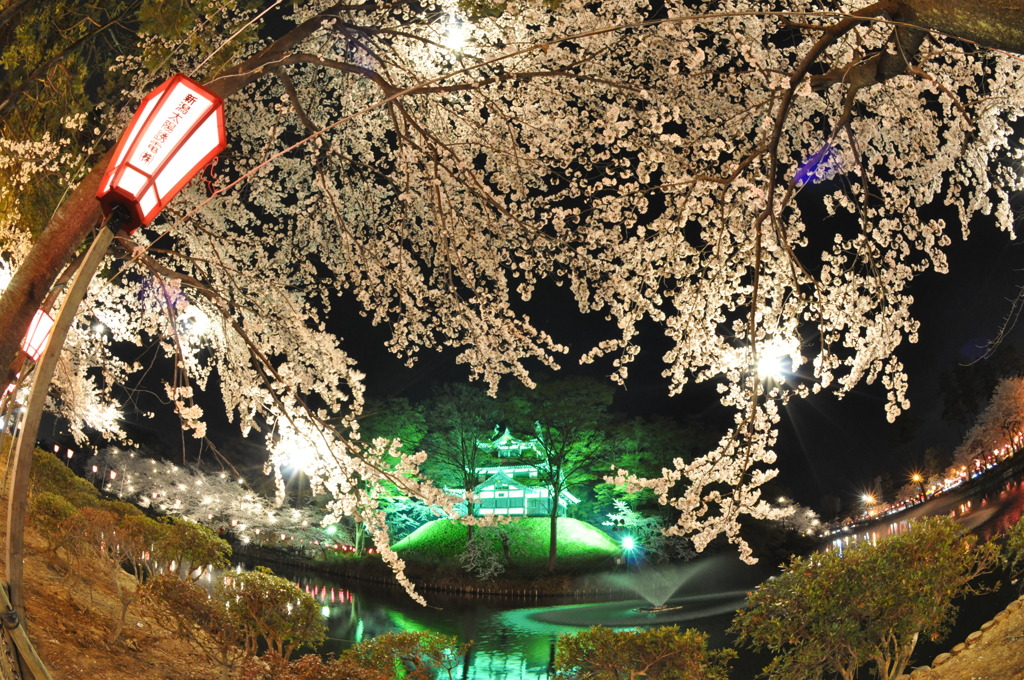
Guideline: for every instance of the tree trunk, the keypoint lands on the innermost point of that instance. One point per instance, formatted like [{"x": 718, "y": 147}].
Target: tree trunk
[
  {"x": 359, "y": 535},
  {"x": 553, "y": 543},
  {"x": 998, "y": 24}
]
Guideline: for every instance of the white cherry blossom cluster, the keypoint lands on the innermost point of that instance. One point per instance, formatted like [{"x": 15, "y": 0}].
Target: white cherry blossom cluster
[{"x": 217, "y": 500}]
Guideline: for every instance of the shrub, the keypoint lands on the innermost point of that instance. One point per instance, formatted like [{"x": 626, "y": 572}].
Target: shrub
[
  {"x": 273, "y": 610},
  {"x": 50, "y": 513},
  {"x": 838, "y": 612},
  {"x": 653, "y": 654},
  {"x": 416, "y": 656},
  {"x": 308, "y": 667},
  {"x": 191, "y": 614},
  {"x": 1013, "y": 550},
  {"x": 187, "y": 543}
]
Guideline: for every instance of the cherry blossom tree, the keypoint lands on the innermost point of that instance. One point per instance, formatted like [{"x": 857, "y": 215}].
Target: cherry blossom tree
[
  {"x": 659, "y": 161},
  {"x": 996, "y": 432}
]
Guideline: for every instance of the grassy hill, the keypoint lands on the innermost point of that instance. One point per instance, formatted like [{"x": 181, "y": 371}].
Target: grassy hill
[{"x": 580, "y": 544}]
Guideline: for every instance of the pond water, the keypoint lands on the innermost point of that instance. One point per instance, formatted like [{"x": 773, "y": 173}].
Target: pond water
[{"x": 515, "y": 639}]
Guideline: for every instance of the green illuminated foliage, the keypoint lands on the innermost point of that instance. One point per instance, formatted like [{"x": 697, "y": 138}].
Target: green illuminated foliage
[
  {"x": 664, "y": 653},
  {"x": 833, "y": 614},
  {"x": 568, "y": 417}
]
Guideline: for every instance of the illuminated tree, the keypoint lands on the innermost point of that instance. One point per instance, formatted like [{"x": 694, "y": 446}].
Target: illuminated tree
[
  {"x": 998, "y": 426},
  {"x": 832, "y": 613},
  {"x": 217, "y": 501},
  {"x": 271, "y": 611},
  {"x": 459, "y": 418},
  {"x": 568, "y": 417},
  {"x": 664, "y": 653},
  {"x": 435, "y": 168}
]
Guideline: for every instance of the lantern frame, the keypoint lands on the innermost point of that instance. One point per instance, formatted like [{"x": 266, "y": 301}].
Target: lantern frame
[{"x": 148, "y": 169}]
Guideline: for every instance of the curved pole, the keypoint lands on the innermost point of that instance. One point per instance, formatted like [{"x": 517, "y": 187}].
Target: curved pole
[{"x": 17, "y": 499}]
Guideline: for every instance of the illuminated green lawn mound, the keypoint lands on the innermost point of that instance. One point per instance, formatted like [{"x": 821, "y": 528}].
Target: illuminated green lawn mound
[{"x": 579, "y": 543}]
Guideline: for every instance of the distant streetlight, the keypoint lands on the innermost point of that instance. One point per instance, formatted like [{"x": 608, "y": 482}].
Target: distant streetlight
[
  {"x": 628, "y": 543},
  {"x": 177, "y": 129},
  {"x": 868, "y": 500},
  {"x": 918, "y": 479}
]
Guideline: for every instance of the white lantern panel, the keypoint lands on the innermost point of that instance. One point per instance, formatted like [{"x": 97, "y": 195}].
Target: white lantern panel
[
  {"x": 180, "y": 110},
  {"x": 148, "y": 201},
  {"x": 132, "y": 133},
  {"x": 201, "y": 142},
  {"x": 38, "y": 334},
  {"x": 132, "y": 181}
]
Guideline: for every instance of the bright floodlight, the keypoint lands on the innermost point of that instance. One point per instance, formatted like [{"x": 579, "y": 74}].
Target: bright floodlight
[
  {"x": 769, "y": 366},
  {"x": 301, "y": 458},
  {"x": 195, "y": 322},
  {"x": 868, "y": 498},
  {"x": 628, "y": 543},
  {"x": 454, "y": 35}
]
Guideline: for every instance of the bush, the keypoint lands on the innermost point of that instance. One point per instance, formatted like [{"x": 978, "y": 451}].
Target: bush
[
  {"x": 50, "y": 475},
  {"x": 653, "y": 653},
  {"x": 416, "y": 656},
  {"x": 1013, "y": 550},
  {"x": 50, "y": 513},
  {"x": 191, "y": 614},
  {"x": 187, "y": 543},
  {"x": 836, "y": 612},
  {"x": 273, "y": 610},
  {"x": 120, "y": 536},
  {"x": 308, "y": 667}
]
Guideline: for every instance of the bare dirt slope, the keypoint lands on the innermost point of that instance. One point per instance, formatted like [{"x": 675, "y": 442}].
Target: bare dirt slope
[{"x": 70, "y": 625}]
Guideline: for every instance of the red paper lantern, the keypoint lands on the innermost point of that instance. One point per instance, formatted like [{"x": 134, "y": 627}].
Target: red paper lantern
[
  {"x": 177, "y": 130},
  {"x": 38, "y": 334}
]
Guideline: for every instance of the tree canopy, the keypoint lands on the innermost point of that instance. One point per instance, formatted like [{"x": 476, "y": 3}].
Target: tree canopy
[
  {"x": 753, "y": 179},
  {"x": 835, "y": 612}
]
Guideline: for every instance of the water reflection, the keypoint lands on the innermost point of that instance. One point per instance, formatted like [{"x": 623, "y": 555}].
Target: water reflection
[
  {"x": 988, "y": 513},
  {"x": 516, "y": 641}
]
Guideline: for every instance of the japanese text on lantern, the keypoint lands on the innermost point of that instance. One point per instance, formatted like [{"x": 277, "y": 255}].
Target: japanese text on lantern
[{"x": 167, "y": 127}]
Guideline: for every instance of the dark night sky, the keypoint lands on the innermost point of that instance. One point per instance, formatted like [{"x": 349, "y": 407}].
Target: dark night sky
[{"x": 839, "y": 446}]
